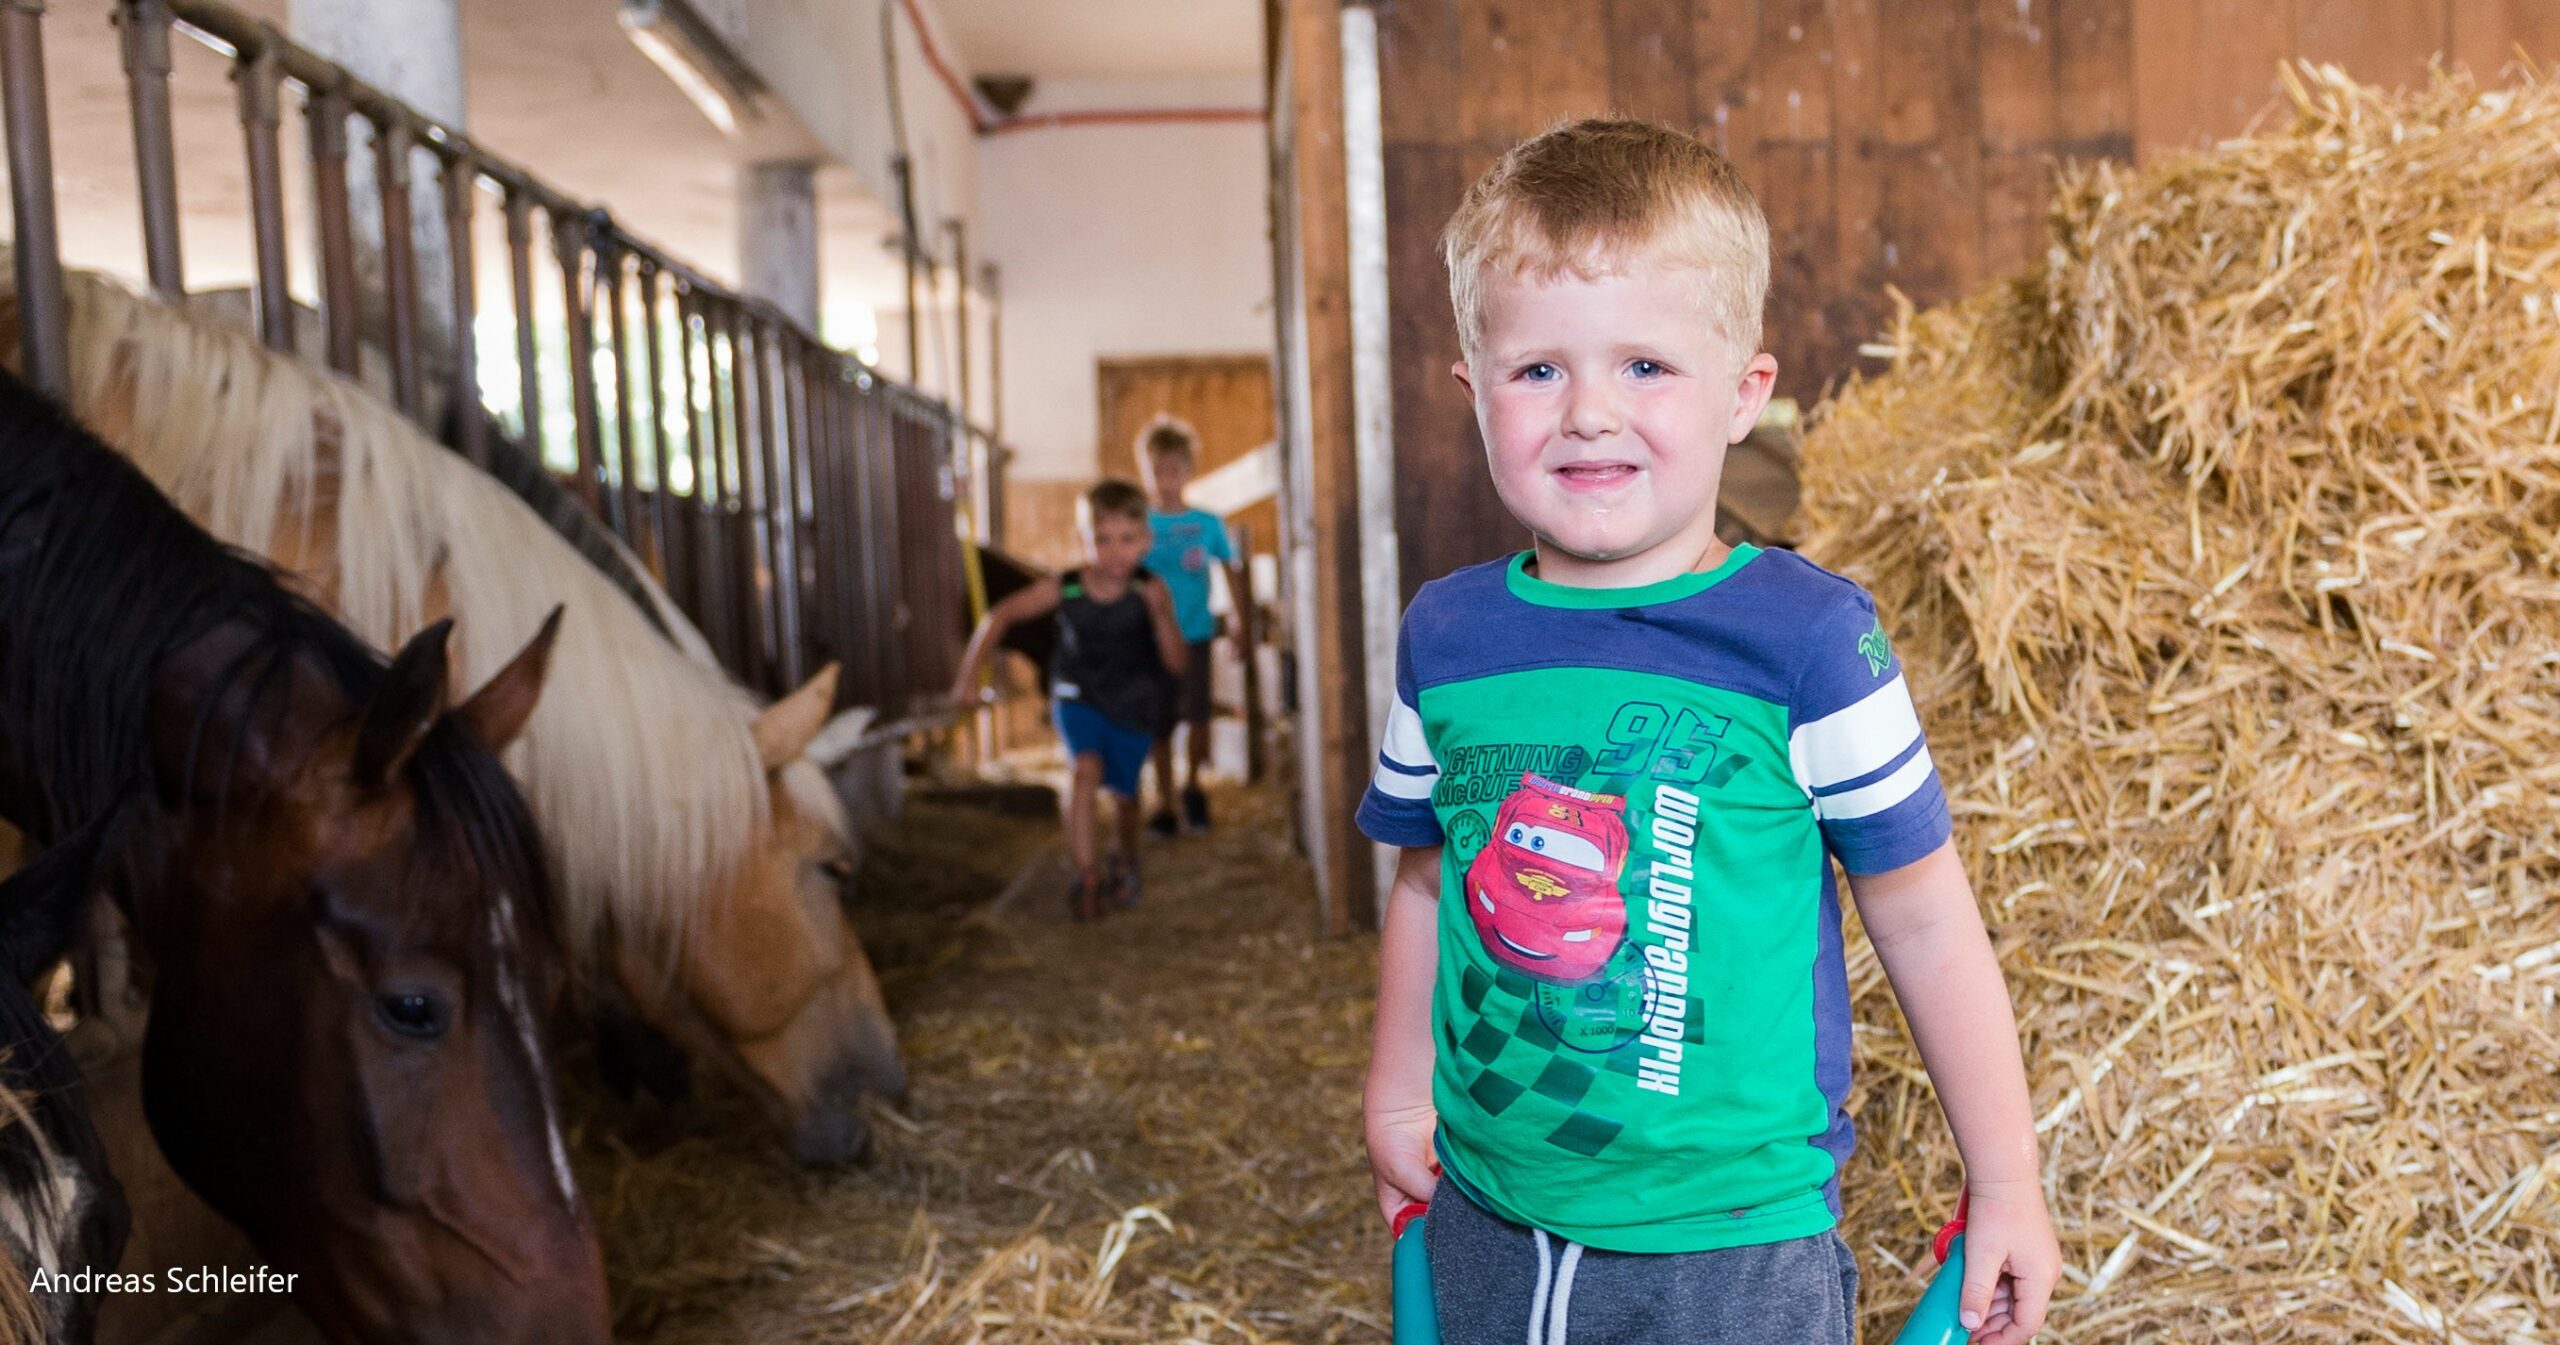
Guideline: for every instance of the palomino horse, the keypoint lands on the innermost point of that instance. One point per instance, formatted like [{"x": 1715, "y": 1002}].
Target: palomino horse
[
  {"x": 337, "y": 891},
  {"x": 60, "y": 1207},
  {"x": 693, "y": 841}
]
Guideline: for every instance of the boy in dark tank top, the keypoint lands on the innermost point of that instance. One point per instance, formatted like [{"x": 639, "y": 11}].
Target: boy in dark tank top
[{"x": 1119, "y": 655}]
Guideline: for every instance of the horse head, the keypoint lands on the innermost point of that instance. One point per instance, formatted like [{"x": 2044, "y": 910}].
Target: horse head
[
  {"x": 777, "y": 990},
  {"x": 343, "y": 903}
]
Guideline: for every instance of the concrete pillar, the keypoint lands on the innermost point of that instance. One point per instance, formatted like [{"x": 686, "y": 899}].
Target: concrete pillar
[
  {"x": 412, "y": 50},
  {"x": 778, "y": 237}
]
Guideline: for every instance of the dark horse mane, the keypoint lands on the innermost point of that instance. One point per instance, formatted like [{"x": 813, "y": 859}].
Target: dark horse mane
[{"x": 101, "y": 577}]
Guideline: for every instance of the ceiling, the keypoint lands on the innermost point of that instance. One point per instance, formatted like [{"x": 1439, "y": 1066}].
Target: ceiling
[{"x": 1106, "y": 39}]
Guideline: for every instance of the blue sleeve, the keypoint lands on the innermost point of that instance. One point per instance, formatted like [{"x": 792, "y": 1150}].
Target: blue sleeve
[
  {"x": 1396, "y": 809},
  {"x": 1220, "y": 545},
  {"x": 1855, "y": 743}
]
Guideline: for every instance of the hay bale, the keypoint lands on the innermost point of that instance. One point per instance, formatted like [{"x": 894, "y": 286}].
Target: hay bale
[{"x": 2225, "y": 553}]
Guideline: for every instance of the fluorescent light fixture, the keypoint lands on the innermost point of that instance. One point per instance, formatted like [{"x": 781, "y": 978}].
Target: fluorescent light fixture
[{"x": 693, "y": 55}]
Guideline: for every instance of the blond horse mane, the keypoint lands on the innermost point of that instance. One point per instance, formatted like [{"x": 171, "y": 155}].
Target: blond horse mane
[{"x": 639, "y": 759}]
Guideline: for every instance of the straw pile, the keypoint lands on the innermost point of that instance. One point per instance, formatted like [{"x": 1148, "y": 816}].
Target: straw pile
[{"x": 2226, "y": 557}]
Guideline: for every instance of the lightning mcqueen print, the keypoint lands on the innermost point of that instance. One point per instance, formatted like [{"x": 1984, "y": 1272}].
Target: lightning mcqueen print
[{"x": 1543, "y": 892}]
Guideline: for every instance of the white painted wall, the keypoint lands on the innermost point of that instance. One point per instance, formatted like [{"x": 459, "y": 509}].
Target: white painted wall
[{"x": 1118, "y": 241}]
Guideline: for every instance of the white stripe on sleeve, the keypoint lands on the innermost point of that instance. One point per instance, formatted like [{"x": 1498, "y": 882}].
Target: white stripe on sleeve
[
  {"x": 1405, "y": 744},
  {"x": 1856, "y": 739},
  {"x": 1867, "y": 800}
]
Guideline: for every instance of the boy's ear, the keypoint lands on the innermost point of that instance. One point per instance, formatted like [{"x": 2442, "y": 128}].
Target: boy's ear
[
  {"x": 1758, "y": 379},
  {"x": 1465, "y": 380}
]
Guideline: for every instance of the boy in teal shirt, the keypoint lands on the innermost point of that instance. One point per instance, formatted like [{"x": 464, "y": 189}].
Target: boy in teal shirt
[
  {"x": 1612, "y": 999},
  {"x": 1188, "y": 542}
]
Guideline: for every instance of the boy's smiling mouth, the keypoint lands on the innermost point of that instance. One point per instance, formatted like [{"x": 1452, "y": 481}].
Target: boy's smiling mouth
[{"x": 1593, "y": 477}]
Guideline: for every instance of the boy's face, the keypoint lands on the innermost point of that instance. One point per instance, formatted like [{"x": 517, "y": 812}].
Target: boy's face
[
  {"x": 1171, "y": 474},
  {"x": 1116, "y": 546},
  {"x": 1607, "y": 405}
]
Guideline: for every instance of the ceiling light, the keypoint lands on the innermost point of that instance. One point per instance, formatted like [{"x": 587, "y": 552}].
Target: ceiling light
[{"x": 678, "y": 41}]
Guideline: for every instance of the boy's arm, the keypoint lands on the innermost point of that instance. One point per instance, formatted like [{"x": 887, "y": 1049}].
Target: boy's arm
[
  {"x": 1928, "y": 934},
  {"x": 1029, "y": 603},
  {"x": 1395, "y": 1105},
  {"x": 1170, "y": 646}
]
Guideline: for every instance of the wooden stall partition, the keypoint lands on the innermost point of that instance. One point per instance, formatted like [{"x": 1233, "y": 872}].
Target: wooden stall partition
[{"x": 1313, "y": 263}]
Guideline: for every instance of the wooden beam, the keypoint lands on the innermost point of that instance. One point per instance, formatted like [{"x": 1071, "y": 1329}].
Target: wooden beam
[{"x": 1314, "y": 280}]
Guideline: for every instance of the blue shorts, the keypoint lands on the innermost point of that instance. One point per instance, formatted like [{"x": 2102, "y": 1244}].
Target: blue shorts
[{"x": 1123, "y": 751}]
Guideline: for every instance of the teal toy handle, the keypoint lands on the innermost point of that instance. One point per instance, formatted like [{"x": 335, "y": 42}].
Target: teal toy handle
[
  {"x": 1934, "y": 1320},
  {"x": 1417, "y": 1317}
]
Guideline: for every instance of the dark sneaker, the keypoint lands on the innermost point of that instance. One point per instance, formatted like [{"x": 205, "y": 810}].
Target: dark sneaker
[
  {"x": 1162, "y": 824},
  {"x": 1084, "y": 898},
  {"x": 1125, "y": 893},
  {"x": 1195, "y": 809}
]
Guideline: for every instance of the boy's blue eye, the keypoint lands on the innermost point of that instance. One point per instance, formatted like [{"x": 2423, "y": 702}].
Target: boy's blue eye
[
  {"x": 1647, "y": 369},
  {"x": 1539, "y": 373}
]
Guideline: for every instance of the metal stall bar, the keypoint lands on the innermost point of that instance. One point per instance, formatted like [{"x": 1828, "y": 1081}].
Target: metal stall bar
[
  {"x": 725, "y": 547},
  {"x": 827, "y": 604},
  {"x": 755, "y": 495},
  {"x": 661, "y": 488},
  {"x": 568, "y": 241},
  {"x": 460, "y": 175},
  {"x": 43, "y": 310},
  {"x": 700, "y": 555},
  {"x": 870, "y": 459},
  {"x": 519, "y": 208},
  {"x": 259, "y": 74},
  {"x": 393, "y": 138},
  {"x": 145, "y": 25},
  {"x": 324, "y": 115},
  {"x": 611, "y": 272},
  {"x": 789, "y": 462}
]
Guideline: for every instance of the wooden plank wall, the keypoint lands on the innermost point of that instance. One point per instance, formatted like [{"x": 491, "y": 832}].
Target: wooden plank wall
[{"x": 1893, "y": 142}]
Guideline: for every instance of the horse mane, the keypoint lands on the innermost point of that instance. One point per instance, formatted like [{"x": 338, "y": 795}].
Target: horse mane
[
  {"x": 101, "y": 577},
  {"x": 640, "y": 758}
]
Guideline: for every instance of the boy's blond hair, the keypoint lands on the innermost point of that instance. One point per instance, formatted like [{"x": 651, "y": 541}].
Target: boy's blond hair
[{"x": 1589, "y": 195}]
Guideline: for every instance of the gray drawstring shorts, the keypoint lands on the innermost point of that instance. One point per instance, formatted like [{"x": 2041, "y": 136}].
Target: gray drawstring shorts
[{"x": 1498, "y": 1283}]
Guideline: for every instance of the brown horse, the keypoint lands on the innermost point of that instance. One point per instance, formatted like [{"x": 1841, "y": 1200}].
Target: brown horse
[
  {"x": 695, "y": 845},
  {"x": 338, "y": 893}
]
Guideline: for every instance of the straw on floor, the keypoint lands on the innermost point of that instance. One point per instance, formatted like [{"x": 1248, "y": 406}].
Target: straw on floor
[{"x": 2225, "y": 555}]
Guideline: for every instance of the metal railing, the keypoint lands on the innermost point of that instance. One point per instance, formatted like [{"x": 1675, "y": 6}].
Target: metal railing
[{"x": 797, "y": 505}]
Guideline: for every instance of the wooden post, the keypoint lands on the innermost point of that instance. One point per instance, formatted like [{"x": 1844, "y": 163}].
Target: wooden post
[
  {"x": 1249, "y": 645},
  {"x": 1315, "y": 272}
]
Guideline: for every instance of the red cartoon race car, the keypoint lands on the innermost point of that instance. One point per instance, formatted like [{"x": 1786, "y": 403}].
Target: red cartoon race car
[{"x": 1544, "y": 891}]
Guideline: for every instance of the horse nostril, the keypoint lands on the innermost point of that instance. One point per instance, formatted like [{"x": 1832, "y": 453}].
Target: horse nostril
[{"x": 830, "y": 1135}]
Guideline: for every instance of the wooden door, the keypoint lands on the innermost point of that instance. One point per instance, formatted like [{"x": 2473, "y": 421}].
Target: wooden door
[{"x": 1226, "y": 398}]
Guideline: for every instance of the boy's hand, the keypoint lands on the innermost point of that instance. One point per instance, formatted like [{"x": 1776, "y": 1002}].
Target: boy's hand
[
  {"x": 1399, "y": 1140},
  {"x": 2011, "y": 1262}
]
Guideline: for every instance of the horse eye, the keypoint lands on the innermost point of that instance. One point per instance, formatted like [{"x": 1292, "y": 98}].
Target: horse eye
[{"x": 420, "y": 1016}]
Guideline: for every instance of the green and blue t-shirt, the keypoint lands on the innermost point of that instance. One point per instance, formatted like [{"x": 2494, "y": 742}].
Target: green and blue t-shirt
[
  {"x": 1642, "y": 1011},
  {"x": 1185, "y": 544}
]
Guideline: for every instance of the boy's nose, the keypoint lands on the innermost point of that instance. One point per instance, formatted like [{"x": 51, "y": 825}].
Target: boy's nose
[{"x": 1592, "y": 411}]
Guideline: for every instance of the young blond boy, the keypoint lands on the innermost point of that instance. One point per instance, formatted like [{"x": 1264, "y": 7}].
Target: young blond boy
[
  {"x": 1188, "y": 544},
  {"x": 1611, "y": 1001},
  {"x": 1118, "y": 656}
]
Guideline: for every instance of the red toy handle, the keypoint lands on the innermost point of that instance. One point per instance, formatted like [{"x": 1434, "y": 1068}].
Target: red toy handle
[
  {"x": 1404, "y": 1217},
  {"x": 1946, "y": 1236}
]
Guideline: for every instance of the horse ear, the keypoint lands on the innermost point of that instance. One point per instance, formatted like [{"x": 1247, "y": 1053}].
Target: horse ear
[
  {"x": 407, "y": 705},
  {"x": 784, "y": 729},
  {"x": 497, "y": 712}
]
